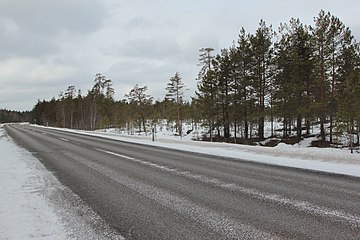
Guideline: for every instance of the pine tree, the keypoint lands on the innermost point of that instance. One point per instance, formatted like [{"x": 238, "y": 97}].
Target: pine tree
[
  {"x": 206, "y": 87},
  {"x": 328, "y": 36},
  {"x": 138, "y": 98},
  {"x": 102, "y": 95},
  {"x": 322, "y": 66},
  {"x": 222, "y": 81},
  {"x": 261, "y": 47},
  {"x": 336, "y": 32},
  {"x": 243, "y": 92},
  {"x": 294, "y": 68},
  {"x": 175, "y": 90},
  {"x": 348, "y": 89},
  {"x": 69, "y": 96}
]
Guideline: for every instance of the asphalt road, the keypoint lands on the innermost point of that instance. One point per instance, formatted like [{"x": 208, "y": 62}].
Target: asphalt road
[{"x": 156, "y": 193}]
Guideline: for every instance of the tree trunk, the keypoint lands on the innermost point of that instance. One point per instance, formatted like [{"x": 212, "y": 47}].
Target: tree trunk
[
  {"x": 235, "y": 131},
  {"x": 285, "y": 128},
  {"x": 226, "y": 125},
  {"x": 351, "y": 138},
  {"x": 298, "y": 126},
  {"x": 246, "y": 127},
  {"x": 178, "y": 127},
  {"x": 271, "y": 115},
  {"x": 261, "y": 128},
  {"x": 322, "y": 129},
  {"x": 211, "y": 126},
  {"x": 251, "y": 128},
  {"x": 307, "y": 127},
  {"x": 143, "y": 122},
  {"x": 290, "y": 123},
  {"x": 322, "y": 93},
  {"x": 218, "y": 133},
  {"x": 331, "y": 128}
]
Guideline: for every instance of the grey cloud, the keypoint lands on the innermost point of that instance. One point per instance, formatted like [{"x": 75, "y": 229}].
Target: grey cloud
[
  {"x": 146, "y": 23},
  {"x": 24, "y": 98},
  {"x": 29, "y": 28},
  {"x": 48, "y": 17},
  {"x": 153, "y": 48},
  {"x": 138, "y": 23},
  {"x": 25, "y": 45}
]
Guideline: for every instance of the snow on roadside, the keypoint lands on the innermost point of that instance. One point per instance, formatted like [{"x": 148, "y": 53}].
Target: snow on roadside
[
  {"x": 329, "y": 160},
  {"x": 24, "y": 214},
  {"x": 34, "y": 204}
]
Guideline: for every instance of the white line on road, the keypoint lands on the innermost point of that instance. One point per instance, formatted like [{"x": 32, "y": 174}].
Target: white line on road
[
  {"x": 228, "y": 227},
  {"x": 115, "y": 154},
  {"x": 299, "y": 205},
  {"x": 64, "y": 139}
]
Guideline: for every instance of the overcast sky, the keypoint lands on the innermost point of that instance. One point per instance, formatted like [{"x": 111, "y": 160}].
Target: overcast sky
[{"x": 47, "y": 45}]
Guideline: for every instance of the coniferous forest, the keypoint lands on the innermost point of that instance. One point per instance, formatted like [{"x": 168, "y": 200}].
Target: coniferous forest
[{"x": 298, "y": 74}]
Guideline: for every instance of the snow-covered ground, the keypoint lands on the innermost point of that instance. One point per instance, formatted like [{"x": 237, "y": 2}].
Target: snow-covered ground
[{"x": 34, "y": 204}]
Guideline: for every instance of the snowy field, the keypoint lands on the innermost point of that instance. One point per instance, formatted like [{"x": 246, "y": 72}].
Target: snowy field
[{"x": 34, "y": 205}]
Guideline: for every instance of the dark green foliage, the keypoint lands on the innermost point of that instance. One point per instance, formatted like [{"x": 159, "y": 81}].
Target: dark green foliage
[
  {"x": 206, "y": 94},
  {"x": 8, "y": 116},
  {"x": 234, "y": 85},
  {"x": 72, "y": 110},
  {"x": 175, "y": 94},
  {"x": 327, "y": 39},
  {"x": 141, "y": 105},
  {"x": 261, "y": 70},
  {"x": 293, "y": 88},
  {"x": 302, "y": 77}
]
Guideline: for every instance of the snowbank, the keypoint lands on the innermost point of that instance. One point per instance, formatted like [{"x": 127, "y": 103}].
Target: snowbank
[
  {"x": 24, "y": 212},
  {"x": 34, "y": 205}
]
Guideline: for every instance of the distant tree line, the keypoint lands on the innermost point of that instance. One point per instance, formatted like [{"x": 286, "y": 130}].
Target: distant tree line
[
  {"x": 299, "y": 75},
  {"x": 98, "y": 108},
  {"x": 8, "y": 116}
]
